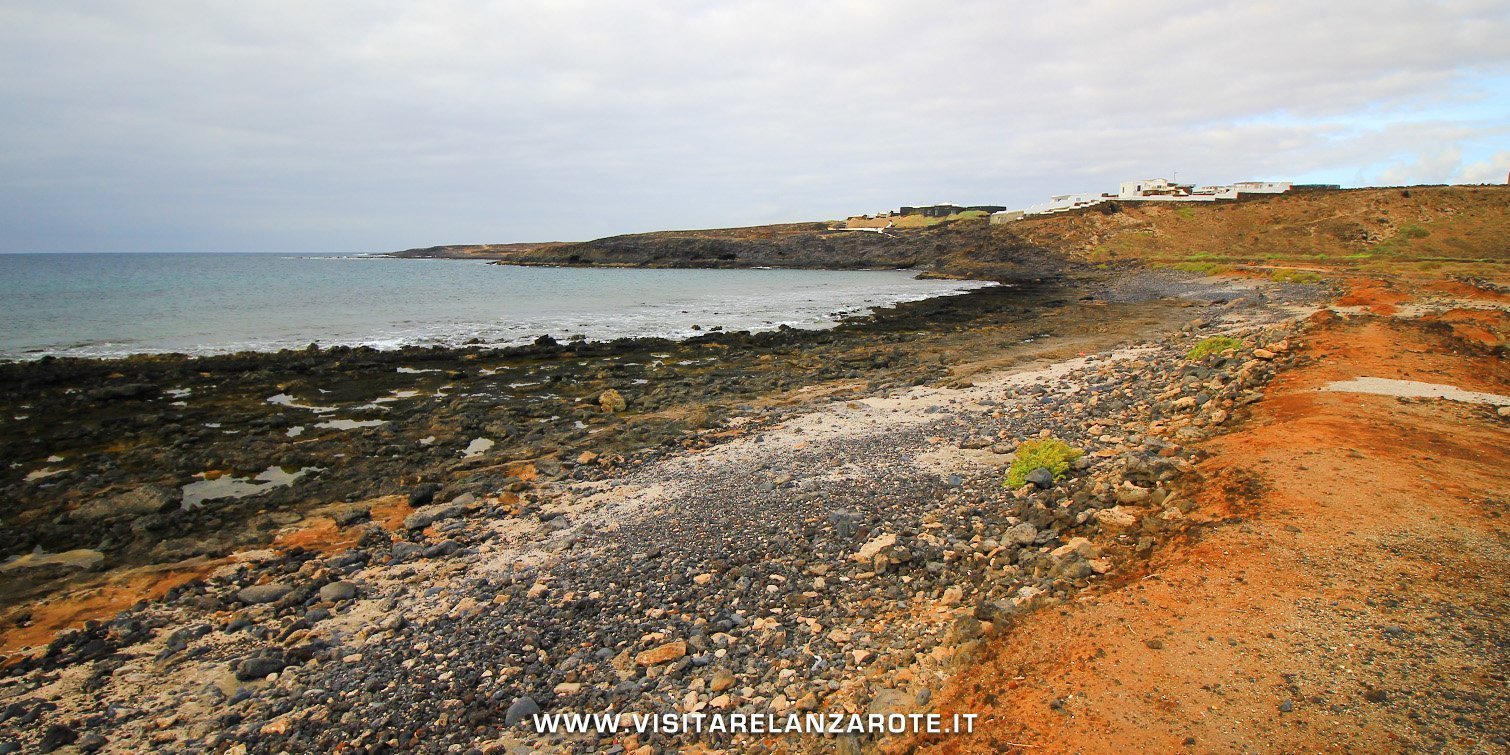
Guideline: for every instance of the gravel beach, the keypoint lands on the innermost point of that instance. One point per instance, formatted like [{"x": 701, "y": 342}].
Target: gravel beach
[{"x": 841, "y": 552}]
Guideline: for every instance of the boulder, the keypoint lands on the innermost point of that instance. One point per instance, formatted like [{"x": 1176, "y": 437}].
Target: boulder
[
  {"x": 267, "y": 593},
  {"x": 338, "y": 591}
]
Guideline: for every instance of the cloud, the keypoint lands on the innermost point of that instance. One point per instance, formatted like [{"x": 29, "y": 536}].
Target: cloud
[
  {"x": 378, "y": 125},
  {"x": 1493, "y": 170}
]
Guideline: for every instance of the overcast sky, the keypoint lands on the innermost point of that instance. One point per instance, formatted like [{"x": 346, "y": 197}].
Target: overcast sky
[{"x": 375, "y": 126}]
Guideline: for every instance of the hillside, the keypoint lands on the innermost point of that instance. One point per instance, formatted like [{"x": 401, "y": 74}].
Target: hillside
[
  {"x": 1355, "y": 227},
  {"x": 1366, "y": 228},
  {"x": 966, "y": 248},
  {"x": 469, "y": 251}
]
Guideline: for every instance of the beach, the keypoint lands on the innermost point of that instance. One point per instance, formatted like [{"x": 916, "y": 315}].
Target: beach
[
  {"x": 720, "y": 505},
  {"x": 449, "y": 548}
]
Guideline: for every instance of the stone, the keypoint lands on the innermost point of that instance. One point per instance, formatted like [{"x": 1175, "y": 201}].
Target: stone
[
  {"x": 612, "y": 401},
  {"x": 888, "y": 701},
  {"x": 135, "y": 502},
  {"x": 721, "y": 681},
  {"x": 1116, "y": 518},
  {"x": 1077, "y": 547},
  {"x": 338, "y": 591},
  {"x": 1020, "y": 534},
  {"x": 349, "y": 516},
  {"x": 665, "y": 653},
  {"x": 422, "y": 495},
  {"x": 267, "y": 593},
  {"x": 1042, "y": 477},
  {"x": 874, "y": 546},
  {"x": 1262, "y": 353},
  {"x": 1130, "y": 494},
  {"x": 56, "y": 736},
  {"x": 259, "y": 667},
  {"x": 522, "y": 708},
  {"x": 433, "y": 513},
  {"x": 845, "y": 523},
  {"x": 953, "y": 595},
  {"x": 586, "y": 457}
]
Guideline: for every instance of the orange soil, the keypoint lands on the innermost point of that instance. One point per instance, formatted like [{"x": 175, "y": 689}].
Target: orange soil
[
  {"x": 1484, "y": 327},
  {"x": 1376, "y": 295},
  {"x": 100, "y": 597},
  {"x": 1339, "y": 515},
  {"x": 323, "y": 536},
  {"x": 1463, "y": 290}
]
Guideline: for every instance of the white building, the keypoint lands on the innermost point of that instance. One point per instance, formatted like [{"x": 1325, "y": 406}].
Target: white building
[
  {"x": 1146, "y": 190},
  {"x": 1147, "y": 187},
  {"x": 1064, "y": 202}
]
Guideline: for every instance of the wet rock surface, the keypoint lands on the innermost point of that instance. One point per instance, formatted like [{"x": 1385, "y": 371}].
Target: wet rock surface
[{"x": 841, "y": 555}]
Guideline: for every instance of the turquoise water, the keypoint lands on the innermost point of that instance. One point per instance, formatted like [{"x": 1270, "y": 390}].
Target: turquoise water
[{"x": 115, "y": 304}]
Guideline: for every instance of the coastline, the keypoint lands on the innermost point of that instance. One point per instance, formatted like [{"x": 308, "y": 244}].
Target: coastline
[
  {"x": 439, "y": 542},
  {"x": 532, "y": 490},
  {"x": 88, "y": 306},
  {"x": 129, "y": 435}
]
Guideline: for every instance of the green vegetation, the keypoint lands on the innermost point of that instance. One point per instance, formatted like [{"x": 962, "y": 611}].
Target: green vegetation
[
  {"x": 1413, "y": 232},
  {"x": 1294, "y": 276},
  {"x": 1052, "y": 454},
  {"x": 1186, "y": 213},
  {"x": 969, "y": 214},
  {"x": 1205, "y": 268},
  {"x": 1213, "y": 345}
]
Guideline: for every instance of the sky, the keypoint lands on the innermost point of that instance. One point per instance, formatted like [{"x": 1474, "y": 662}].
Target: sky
[{"x": 374, "y": 126}]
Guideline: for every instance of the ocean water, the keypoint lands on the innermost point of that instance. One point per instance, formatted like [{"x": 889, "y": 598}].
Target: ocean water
[{"x": 101, "y": 305}]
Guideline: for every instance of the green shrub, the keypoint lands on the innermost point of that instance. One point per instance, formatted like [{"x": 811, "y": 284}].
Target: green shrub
[
  {"x": 1213, "y": 345},
  {"x": 1204, "y": 268},
  {"x": 1052, "y": 454},
  {"x": 1294, "y": 276},
  {"x": 1414, "y": 232}
]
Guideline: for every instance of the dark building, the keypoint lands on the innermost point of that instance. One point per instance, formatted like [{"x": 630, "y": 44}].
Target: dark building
[{"x": 945, "y": 210}]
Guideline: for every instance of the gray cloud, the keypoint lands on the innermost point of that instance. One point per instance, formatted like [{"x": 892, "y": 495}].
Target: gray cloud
[{"x": 372, "y": 126}]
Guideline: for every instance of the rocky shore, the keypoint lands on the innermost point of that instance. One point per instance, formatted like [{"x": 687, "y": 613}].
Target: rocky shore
[{"x": 787, "y": 522}]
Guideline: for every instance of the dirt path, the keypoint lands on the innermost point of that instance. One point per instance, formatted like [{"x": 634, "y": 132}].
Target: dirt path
[{"x": 1348, "y": 595}]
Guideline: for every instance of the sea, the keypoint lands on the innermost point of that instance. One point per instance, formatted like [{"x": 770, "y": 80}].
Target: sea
[{"x": 111, "y": 305}]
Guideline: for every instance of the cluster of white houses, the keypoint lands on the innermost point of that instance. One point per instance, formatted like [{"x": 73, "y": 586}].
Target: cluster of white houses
[{"x": 1146, "y": 190}]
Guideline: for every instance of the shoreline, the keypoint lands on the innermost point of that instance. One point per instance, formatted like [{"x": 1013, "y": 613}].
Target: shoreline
[
  {"x": 83, "y": 433},
  {"x": 568, "y": 327},
  {"x": 362, "y": 504}
]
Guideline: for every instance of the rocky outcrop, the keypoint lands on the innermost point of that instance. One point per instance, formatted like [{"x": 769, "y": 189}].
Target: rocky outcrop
[{"x": 970, "y": 248}]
